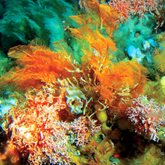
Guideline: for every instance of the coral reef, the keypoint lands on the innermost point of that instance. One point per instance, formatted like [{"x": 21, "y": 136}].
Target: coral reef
[
  {"x": 134, "y": 7},
  {"x": 82, "y": 82},
  {"x": 36, "y": 65},
  {"x": 47, "y": 139},
  {"x": 147, "y": 116}
]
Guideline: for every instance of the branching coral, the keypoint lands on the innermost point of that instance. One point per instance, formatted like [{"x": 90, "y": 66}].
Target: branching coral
[
  {"x": 69, "y": 112},
  {"x": 99, "y": 17},
  {"x": 42, "y": 138},
  {"x": 116, "y": 87},
  {"x": 47, "y": 139},
  {"x": 37, "y": 65},
  {"x": 159, "y": 54},
  {"x": 134, "y": 7},
  {"x": 84, "y": 129},
  {"x": 147, "y": 117}
]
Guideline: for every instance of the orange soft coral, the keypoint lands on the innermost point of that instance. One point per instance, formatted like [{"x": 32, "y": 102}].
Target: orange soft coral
[
  {"x": 118, "y": 83},
  {"x": 99, "y": 16},
  {"x": 89, "y": 4},
  {"x": 37, "y": 65},
  {"x": 109, "y": 18},
  {"x": 121, "y": 83},
  {"x": 95, "y": 39}
]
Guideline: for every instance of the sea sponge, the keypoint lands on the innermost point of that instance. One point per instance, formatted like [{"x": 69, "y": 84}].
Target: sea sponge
[
  {"x": 135, "y": 7},
  {"x": 117, "y": 88},
  {"x": 134, "y": 32}
]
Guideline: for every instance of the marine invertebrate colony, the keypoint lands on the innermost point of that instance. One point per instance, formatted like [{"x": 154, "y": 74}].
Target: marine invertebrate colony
[
  {"x": 134, "y": 7},
  {"x": 47, "y": 139},
  {"x": 93, "y": 93},
  {"x": 147, "y": 116},
  {"x": 37, "y": 65},
  {"x": 116, "y": 87}
]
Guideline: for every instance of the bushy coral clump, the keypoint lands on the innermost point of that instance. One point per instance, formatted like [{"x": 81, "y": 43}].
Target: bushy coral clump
[
  {"x": 37, "y": 65},
  {"x": 147, "y": 117},
  {"x": 116, "y": 87},
  {"x": 47, "y": 139},
  {"x": 83, "y": 128},
  {"x": 90, "y": 99},
  {"x": 134, "y": 7}
]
